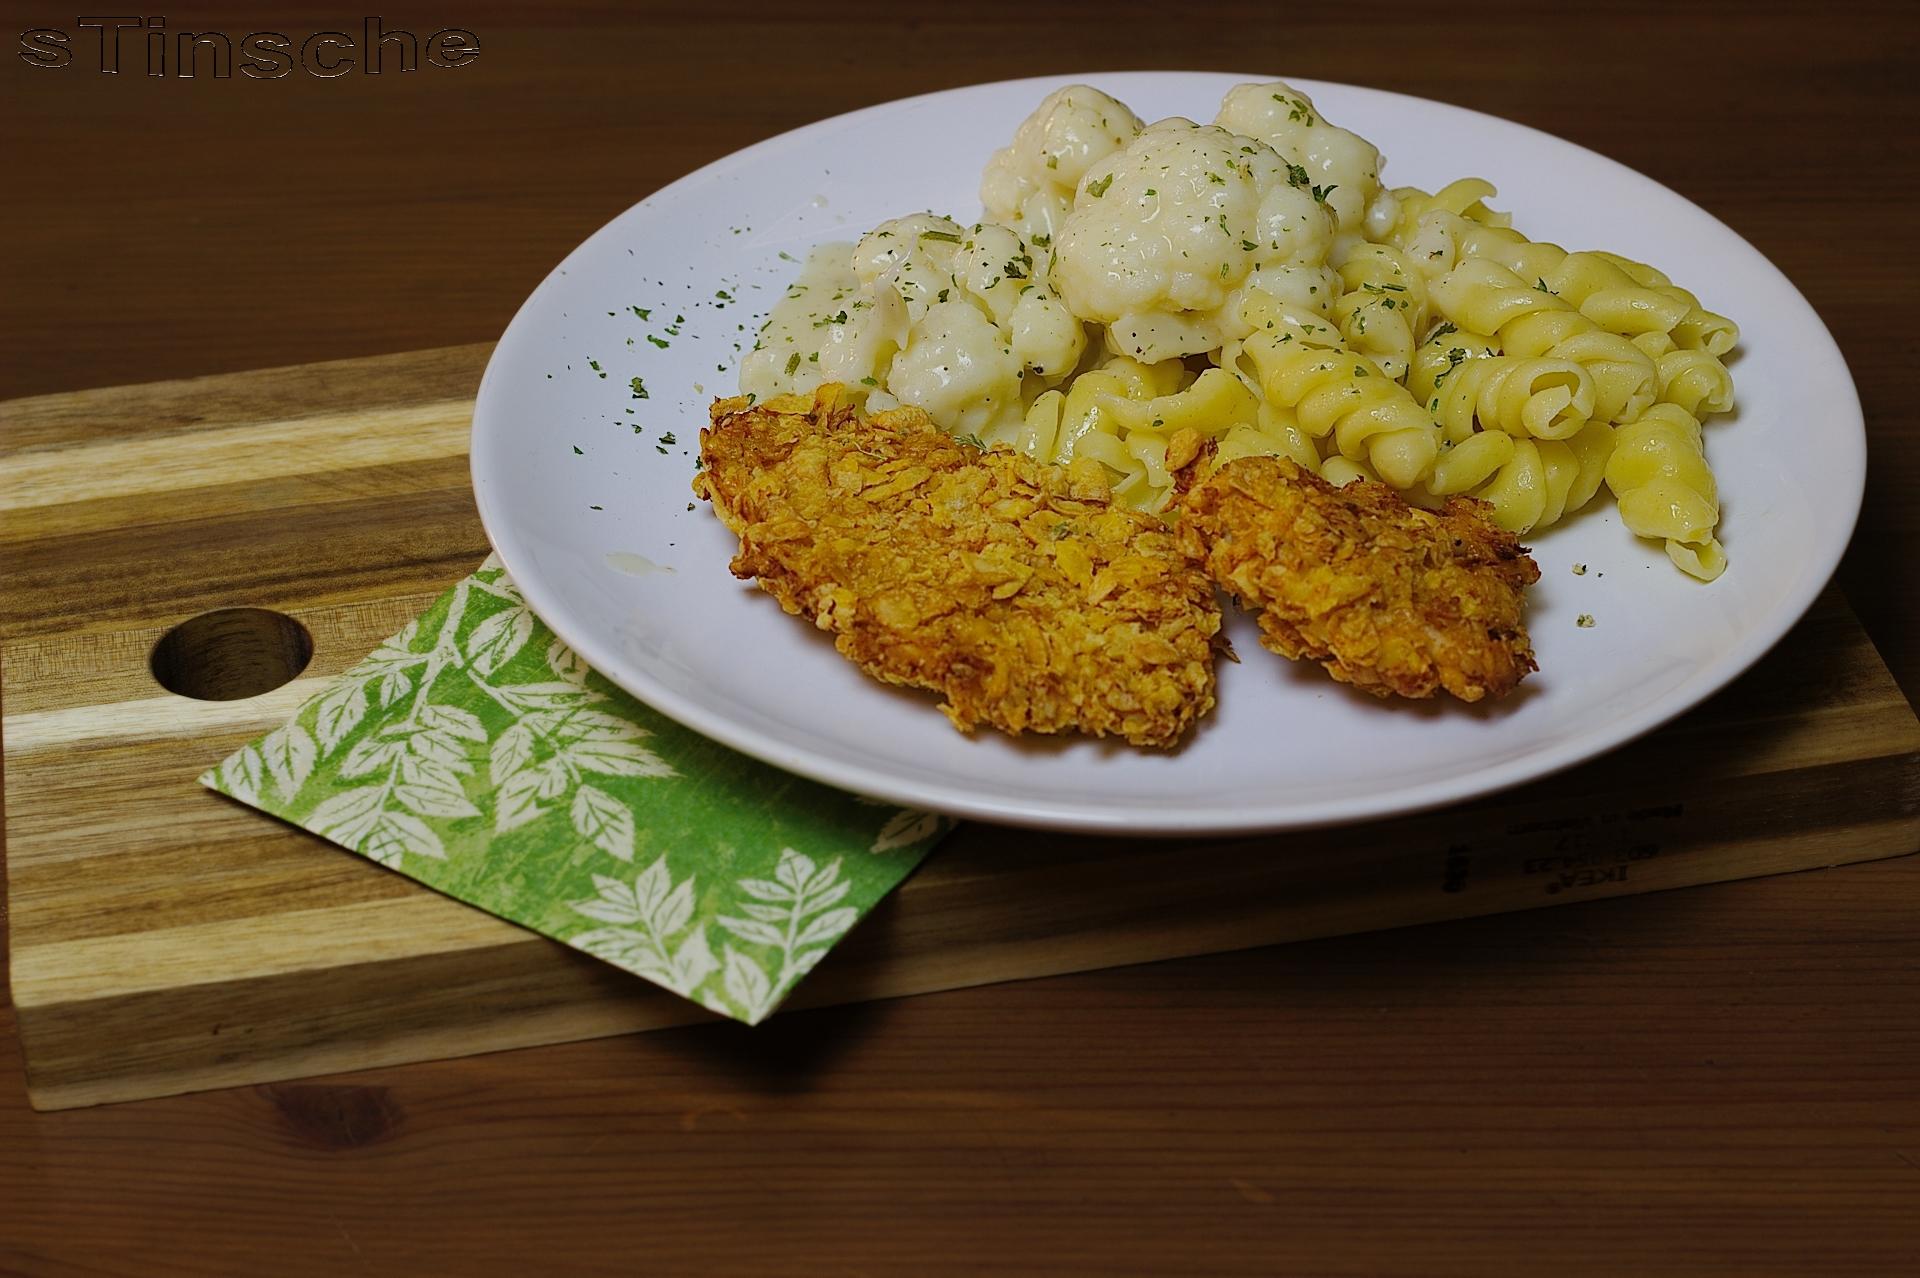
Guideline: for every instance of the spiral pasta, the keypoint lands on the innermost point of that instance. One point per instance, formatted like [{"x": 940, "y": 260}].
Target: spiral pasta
[
  {"x": 1338, "y": 394},
  {"x": 1699, "y": 328},
  {"x": 1659, "y": 475},
  {"x": 1395, "y": 217},
  {"x": 1125, "y": 413},
  {"x": 1532, "y": 397},
  {"x": 1694, "y": 379},
  {"x": 1383, "y": 305},
  {"x": 1483, "y": 296},
  {"x": 1591, "y": 283},
  {"x": 1531, "y": 483}
]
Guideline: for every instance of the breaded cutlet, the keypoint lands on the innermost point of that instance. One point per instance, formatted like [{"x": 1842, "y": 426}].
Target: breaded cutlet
[
  {"x": 1019, "y": 592},
  {"x": 1388, "y": 597}
]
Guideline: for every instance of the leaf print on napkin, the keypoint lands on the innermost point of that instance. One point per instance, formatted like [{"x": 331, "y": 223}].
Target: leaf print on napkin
[
  {"x": 647, "y": 915},
  {"x": 475, "y": 752},
  {"x": 789, "y": 915}
]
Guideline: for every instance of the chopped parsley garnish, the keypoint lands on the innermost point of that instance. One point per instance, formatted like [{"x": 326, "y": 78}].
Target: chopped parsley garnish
[
  {"x": 661, "y": 342},
  {"x": 793, "y": 362},
  {"x": 642, "y": 311},
  {"x": 1584, "y": 621},
  {"x": 1297, "y": 176},
  {"x": 1320, "y": 193},
  {"x": 1296, "y": 109},
  {"x": 974, "y": 440},
  {"x": 1098, "y": 189},
  {"x": 639, "y": 389},
  {"x": 577, "y": 452},
  {"x": 668, "y": 438},
  {"x": 945, "y": 237},
  {"x": 868, "y": 381},
  {"x": 1541, "y": 285}
]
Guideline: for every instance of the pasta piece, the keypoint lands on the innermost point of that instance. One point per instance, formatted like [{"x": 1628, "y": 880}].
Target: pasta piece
[
  {"x": 1592, "y": 283},
  {"x": 1273, "y": 434},
  {"x": 1540, "y": 398},
  {"x": 1383, "y": 306},
  {"x": 1482, "y": 296},
  {"x": 1395, "y": 215},
  {"x": 1336, "y": 393},
  {"x": 1694, "y": 379},
  {"x": 1124, "y": 415},
  {"x": 1434, "y": 360},
  {"x": 1531, "y": 483},
  {"x": 1700, "y": 329},
  {"x": 1659, "y": 474}
]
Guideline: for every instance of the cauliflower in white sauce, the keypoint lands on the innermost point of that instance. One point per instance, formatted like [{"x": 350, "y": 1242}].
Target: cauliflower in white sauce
[
  {"x": 1029, "y": 184},
  {"x": 960, "y": 322},
  {"x": 1344, "y": 167},
  {"x": 1165, "y": 235}
]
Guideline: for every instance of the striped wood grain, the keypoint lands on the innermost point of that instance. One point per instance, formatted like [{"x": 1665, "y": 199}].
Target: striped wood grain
[{"x": 165, "y": 940}]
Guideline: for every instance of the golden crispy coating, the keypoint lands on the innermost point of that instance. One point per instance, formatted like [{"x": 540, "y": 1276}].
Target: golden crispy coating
[
  {"x": 1017, "y": 591},
  {"x": 1388, "y": 597}
]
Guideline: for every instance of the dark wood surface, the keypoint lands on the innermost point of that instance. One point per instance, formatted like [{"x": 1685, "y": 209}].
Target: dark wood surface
[{"x": 1715, "y": 1081}]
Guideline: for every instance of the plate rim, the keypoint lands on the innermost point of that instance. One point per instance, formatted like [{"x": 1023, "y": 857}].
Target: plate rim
[{"x": 1244, "y": 818}]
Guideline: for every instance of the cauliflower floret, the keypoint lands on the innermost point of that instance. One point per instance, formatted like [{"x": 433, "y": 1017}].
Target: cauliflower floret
[
  {"x": 1006, "y": 276},
  {"x": 1165, "y": 236},
  {"x": 914, "y": 253},
  {"x": 830, "y": 327},
  {"x": 1343, "y": 165},
  {"x": 922, "y": 312},
  {"x": 1030, "y": 183},
  {"x": 960, "y": 368},
  {"x": 1045, "y": 335}
]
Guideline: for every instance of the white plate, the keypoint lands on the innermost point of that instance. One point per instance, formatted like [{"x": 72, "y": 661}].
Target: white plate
[{"x": 578, "y": 504}]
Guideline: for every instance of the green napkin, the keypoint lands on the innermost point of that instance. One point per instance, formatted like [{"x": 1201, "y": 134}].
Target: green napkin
[{"x": 474, "y": 752}]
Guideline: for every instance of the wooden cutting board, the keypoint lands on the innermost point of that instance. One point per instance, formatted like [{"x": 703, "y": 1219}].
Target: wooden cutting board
[{"x": 164, "y": 939}]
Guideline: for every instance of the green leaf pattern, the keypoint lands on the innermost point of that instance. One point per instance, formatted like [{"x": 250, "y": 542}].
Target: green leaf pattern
[{"x": 475, "y": 752}]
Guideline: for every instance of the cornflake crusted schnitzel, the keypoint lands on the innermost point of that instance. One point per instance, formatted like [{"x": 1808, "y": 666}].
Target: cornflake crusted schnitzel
[
  {"x": 1018, "y": 591},
  {"x": 1387, "y": 596}
]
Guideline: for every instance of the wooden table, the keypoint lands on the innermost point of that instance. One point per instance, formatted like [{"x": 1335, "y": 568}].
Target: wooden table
[{"x": 1715, "y": 1081}]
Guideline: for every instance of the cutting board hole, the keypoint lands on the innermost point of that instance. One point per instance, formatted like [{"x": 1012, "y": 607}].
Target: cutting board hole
[{"x": 231, "y": 653}]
